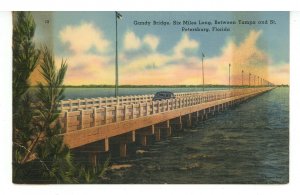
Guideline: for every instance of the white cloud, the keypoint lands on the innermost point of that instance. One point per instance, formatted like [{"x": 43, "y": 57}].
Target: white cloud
[
  {"x": 174, "y": 67},
  {"x": 84, "y": 68},
  {"x": 83, "y": 37},
  {"x": 152, "y": 41},
  {"x": 185, "y": 44},
  {"x": 131, "y": 41}
]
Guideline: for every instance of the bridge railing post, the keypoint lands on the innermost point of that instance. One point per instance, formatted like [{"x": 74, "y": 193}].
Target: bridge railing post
[
  {"x": 132, "y": 113},
  {"x": 116, "y": 113},
  {"x": 158, "y": 106},
  {"x": 81, "y": 119},
  {"x": 94, "y": 116},
  {"x": 105, "y": 114},
  {"x": 70, "y": 104},
  {"x": 78, "y": 104},
  {"x": 66, "y": 121},
  {"x": 99, "y": 104},
  {"x": 167, "y": 105},
  {"x": 125, "y": 112},
  {"x": 85, "y": 103},
  {"x": 140, "y": 109},
  {"x": 153, "y": 107}
]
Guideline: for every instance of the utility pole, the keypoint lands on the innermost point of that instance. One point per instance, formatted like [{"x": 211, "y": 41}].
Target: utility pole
[
  {"x": 249, "y": 79},
  {"x": 202, "y": 72},
  {"x": 229, "y": 76},
  {"x": 242, "y": 78},
  {"x": 118, "y": 16},
  {"x": 260, "y": 81}
]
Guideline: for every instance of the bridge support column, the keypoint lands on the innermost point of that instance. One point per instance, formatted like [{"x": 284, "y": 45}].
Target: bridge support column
[
  {"x": 157, "y": 134},
  {"x": 123, "y": 140},
  {"x": 194, "y": 118},
  {"x": 201, "y": 115},
  {"x": 212, "y": 110},
  {"x": 219, "y": 108},
  {"x": 187, "y": 120},
  {"x": 176, "y": 123},
  {"x": 105, "y": 144},
  {"x": 164, "y": 129},
  {"x": 123, "y": 150},
  {"x": 144, "y": 133},
  {"x": 143, "y": 140},
  {"x": 224, "y": 107},
  {"x": 92, "y": 151},
  {"x": 93, "y": 158},
  {"x": 209, "y": 111},
  {"x": 205, "y": 114}
]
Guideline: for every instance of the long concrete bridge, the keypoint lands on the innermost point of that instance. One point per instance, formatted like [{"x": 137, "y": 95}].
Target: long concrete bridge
[{"x": 99, "y": 122}]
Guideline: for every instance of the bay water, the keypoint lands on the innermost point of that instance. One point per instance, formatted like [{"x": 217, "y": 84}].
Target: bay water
[{"x": 247, "y": 144}]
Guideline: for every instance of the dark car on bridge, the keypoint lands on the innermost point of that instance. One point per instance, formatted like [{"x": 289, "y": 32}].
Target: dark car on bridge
[{"x": 163, "y": 95}]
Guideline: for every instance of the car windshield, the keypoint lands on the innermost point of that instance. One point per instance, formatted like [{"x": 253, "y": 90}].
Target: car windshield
[{"x": 160, "y": 95}]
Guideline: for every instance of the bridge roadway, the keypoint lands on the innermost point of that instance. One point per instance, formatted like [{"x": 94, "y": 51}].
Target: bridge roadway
[
  {"x": 135, "y": 119},
  {"x": 90, "y": 103}
]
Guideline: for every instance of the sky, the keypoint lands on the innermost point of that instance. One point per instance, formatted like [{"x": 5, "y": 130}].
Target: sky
[{"x": 165, "y": 54}]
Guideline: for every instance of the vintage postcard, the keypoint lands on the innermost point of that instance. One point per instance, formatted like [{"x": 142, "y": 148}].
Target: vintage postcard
[{"x": 150, "y": 97}]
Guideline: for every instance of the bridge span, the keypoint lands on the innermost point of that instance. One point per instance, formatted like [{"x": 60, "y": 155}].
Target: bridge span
[{"x": 95, "y": 124}]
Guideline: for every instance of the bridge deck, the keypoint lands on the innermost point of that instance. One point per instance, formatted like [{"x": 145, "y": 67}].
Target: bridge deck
[
  {"x": 90, "y": 103},
  {"x": 86, "y": 126}
]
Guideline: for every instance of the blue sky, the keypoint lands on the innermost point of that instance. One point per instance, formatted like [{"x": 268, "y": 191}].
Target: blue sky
[{"x": 165, "y": 52}]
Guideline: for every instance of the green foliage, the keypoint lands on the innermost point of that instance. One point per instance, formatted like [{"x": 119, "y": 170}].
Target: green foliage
[
  {"x": 91, "y": 175},
  {"x": 39, "y": 153},
  {"x": 25, "y": 58},
  {"x": 51, "y": 148},
  {"x": 25, "y": 55}
]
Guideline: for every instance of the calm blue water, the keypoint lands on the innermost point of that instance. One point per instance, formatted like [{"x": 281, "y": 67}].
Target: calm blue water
[
  {"x": 74, "y": 93},
  {"x": 246, "y": 144}
]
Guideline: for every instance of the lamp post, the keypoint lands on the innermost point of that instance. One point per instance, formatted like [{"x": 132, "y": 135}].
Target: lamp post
[
  {"x": 260, "y": 81},
  {"x": 242, "y": 78},
  {"x": 202, "y": 72},
  {"x": 118, "y": 16},
  {"x": 229, "y": 76},
  {"x": 249, "y": 79}
]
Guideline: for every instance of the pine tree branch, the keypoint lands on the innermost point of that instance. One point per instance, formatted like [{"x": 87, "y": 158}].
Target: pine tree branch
[
  {"x": 29, "y": 151},
  {"x": 31, "y": 148}
]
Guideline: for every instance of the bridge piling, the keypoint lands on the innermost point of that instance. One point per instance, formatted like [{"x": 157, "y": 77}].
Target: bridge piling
[
  {"x": 176, "y": 123},
  {"x": 164, "y": 129},
  {"x": 123, "y": 150},
  {"x": 143, "y": 134},
  {"x": 157, "y": 134},
  {"x": 187, "y": 120},
  {"x": 194, "y": 118},
  {"x": 123, "y": 140}
]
